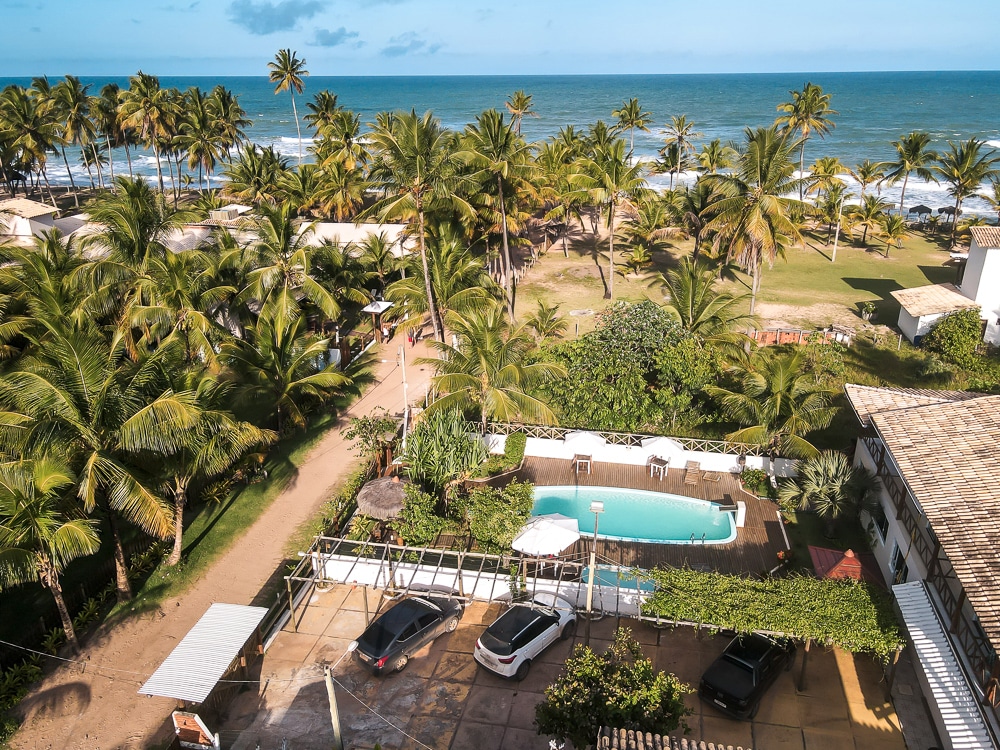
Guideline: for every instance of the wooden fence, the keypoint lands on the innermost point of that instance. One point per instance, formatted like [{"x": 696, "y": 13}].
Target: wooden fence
[{"x": 782, "y": 336}]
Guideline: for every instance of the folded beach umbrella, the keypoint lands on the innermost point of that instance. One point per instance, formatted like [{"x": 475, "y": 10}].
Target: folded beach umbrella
[{"x": 546, "y": 535}]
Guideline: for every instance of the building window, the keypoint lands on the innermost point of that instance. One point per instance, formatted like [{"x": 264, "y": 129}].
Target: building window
[
  {"x": 898, "y": 565},
  {"x": 880, "y": 521}
]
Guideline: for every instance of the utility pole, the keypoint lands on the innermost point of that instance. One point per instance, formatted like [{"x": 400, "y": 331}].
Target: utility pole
[
  {"x": 338, "y": 737},
  {"x": 836, "y": 237}
]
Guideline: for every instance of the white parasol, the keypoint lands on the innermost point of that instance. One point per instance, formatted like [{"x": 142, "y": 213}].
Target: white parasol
[{"x": 547, "y": 535}]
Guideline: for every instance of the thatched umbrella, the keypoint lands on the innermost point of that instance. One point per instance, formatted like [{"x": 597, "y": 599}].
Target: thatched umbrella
[
  {"x": 382, "y": 498},
  {"x": 921, "y": 210}
]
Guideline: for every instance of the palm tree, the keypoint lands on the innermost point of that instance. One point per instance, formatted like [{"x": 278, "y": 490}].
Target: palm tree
[
  {"x": 79, "y": 395},
  {"x": 487, "y": 370},
  {"x": 965, "y": 167},
  {"x": 230, "y": 119},
  {"x": 808, "y": 112},
  {"x": 546, "y": 322},
  {"x": 415, "y": 162},
  {"x": 213, "y": 446},
  {"x": 377, "y": 254},
  {"x": 287, "y": 71},
  {"x": 104, "y": 110},
  {"x": 147, "y": 108},
  {"x": 611, "y": 182},
  {"x": 322, "y": 111},
  {"x": 893, "y": 231},
  {"x": 282, "y": 261},
  {"x": 869, "y": 215},
  {"x": 752, "y": 217},
  {"x": 555, "y": 163},
  {"x": 281, "y": 372},
  {"x": 830, "y": 486},
  {"x": 200, "y": 134},
  {"x": 826, "y": 173},
  {"x": 519, "y": 105},
  {"x": 256, "y": 175},
  {"x": 679, "y": 133},
  {"x": 994, "y": 197},
  {"x": 72, "y": 105},
  {"x": 776, "y": 403},
  {"x": 631, "y": 117},
  {"x": 39, "y": 532},
  {"x": 647, "y": 229},
  {"x": 714, "y": 156},
  {"x": 912, "y": 156},
  {"x": 695, "y": 303},
  {"x": 868, "y": 173},
  {"x": 33, "y": 130},
  {"x": 492, "y": 147},
  {"x": 692, "y": 209}
]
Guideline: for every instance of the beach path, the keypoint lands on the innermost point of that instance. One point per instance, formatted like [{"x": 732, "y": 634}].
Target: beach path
[{"x": 94, "y": 705}]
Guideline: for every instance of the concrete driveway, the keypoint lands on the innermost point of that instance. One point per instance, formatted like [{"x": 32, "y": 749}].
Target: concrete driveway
[{"x": 442, "y": 700}]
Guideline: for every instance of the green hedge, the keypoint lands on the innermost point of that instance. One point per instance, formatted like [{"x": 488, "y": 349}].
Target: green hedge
[{"x": 850, "y": 614}]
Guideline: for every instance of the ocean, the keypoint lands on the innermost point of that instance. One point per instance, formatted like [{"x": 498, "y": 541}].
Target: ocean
[{"x": 874, "y": 109}]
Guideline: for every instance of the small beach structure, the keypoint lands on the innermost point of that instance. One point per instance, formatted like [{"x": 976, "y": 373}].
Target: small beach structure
[
  {"x": 838, "y": 564},
  {"x": 21, "y": 217},
  {"x": 923, "y": 306},
  {"x": 220, "y": 648},
  {"x": 547, "y": 535},
  {"x": 382, "y": 498}
]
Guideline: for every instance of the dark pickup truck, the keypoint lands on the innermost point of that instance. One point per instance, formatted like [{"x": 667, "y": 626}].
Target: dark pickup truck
[{"x": 737, "y": 680}]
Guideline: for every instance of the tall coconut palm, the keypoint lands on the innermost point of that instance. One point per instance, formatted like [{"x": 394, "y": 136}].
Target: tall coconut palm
[
  {"x": 632, "y": 117},
  {"x": 965, "y": 166},
  {"x": 415, "y": 163},
  {"x": 286, "y": 73},
  {"x": 808, "y": 112},
  {"x": 993, "y": 197},
  {"x": 830, "y": 486},
  {"x": 256, "y": 175},
  {"x": 487, "y": 372},
  {"x": 281, "y": 372},
  {"x": 555, "y": 163},
  {"x": 519, "y": 105},
  {"x": 776, "y": 403},
  {"x": 213, "y": 446},
  {"x": 825, "y": 175},
  {"x": 32, "y": 129},
  {"x": 230, "y": 119},
  {"x": 912, "y": 157},
  {"x": 322, "y": 111},
  {"x": 492, "y": 147},
  {"x": 692, "y": 209},
  {"x": 752, "y": 217},
  {"x": 200, "y": 134},
  {"x": 79, "y": 395},
  {"x": 147, "y": 109},
  {"x": 39, "y": 531},
  {"x": 678, "y": 135},
  {"x": 104, "y": 110},
  {"x": 868, "y": 215},
  {"x": 611, "y": 182},
  {"x": 342, "y": 190},
  {"x": 697, "y": 305},
  {"x": 868, "y": 173},
  {"x": 714, "y": 156}
]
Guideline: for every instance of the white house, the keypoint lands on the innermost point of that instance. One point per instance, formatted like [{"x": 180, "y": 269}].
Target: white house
[
  {"x": 923, "y": 306},
  {"x": 20, "y": 217},
  {"x": 935, "y": 533},
  {"x": 981, "y": 279}
]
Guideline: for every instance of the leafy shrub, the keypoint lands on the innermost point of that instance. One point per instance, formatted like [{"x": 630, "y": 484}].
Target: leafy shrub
[
  {"x": 513, "y": 454},
  {"x": 417, "y": 522},
  {"x": 496, "y": 515},
  {"x": 367, "y": 432},
  {"x": 956, "y": 338},
  {"x": 53, "y": 640},
  {"x": 756, "y": 481},
  {"x": 90, "y": 611},
  {"x": 441, "y": 450},
  {"x": 935, "y": 370}
]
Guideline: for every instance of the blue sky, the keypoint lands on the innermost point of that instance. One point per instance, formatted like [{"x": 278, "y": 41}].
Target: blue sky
[{"x": 400, "y": 37}]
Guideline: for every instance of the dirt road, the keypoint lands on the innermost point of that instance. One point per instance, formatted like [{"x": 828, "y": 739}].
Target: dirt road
[{"x": 96, "y": 706}]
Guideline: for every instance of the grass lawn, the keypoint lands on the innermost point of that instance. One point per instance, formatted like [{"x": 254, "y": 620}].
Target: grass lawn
[{"x": 803, "y": 289}]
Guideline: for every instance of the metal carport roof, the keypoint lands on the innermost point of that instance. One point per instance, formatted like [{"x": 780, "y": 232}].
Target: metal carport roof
[{"x": 202, "y": 657}]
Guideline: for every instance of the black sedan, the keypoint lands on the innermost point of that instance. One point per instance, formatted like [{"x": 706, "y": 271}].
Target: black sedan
[
  {"x": 395, "y": 635},
  {"x": 738, "y": 679}
]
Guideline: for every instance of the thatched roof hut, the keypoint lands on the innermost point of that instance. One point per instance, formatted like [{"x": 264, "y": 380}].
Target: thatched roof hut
[{"x": 382, "y": 498}]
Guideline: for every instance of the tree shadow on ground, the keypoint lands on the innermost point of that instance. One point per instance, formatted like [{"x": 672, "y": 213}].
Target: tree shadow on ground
[
  {"x": 888, "y": 307},
  {"x": 940, "y": 274}
]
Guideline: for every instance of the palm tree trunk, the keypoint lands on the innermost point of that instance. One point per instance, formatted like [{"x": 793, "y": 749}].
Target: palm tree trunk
[
  {"x": 298, "y": 127},
  {"x": 76, "y": 199},
  {"x": 159, "y": 167},
  {"x": 954, "y": 218},
  {"x": 45, "y": 176},
  {"x": 51, "y": 582},
  {"x": 428, "y": 289},
  {"x": 802, "y": 168},
  {"x": 86, "y": 163},
  {"x": 755, "y": 285},
  {"x": 180, "y": 500},
  {"x": 97, "y": 163},
  {"x": 128, "y": 158},
  {"x": 611, "y": 251},
  {"x": 508, "y": 281},
  {"x": 111, "y": 159},
  {"x": 902, "y": 194},
  {"x": 122, "y": 584}
]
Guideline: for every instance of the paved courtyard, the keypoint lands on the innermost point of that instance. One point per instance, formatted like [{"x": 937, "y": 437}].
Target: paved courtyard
[{"x": 442, "y": 700}]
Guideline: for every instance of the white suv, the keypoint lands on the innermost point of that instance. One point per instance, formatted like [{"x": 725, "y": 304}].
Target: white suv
[{"x": 522, "y": 632}]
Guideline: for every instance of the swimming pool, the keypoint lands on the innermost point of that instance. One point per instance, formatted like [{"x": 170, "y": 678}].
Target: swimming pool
[{"x": 640, "y": 516}]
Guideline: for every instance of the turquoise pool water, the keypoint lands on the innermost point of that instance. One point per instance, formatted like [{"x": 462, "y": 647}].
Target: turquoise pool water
[
  {"x": 606, "y": 575},
  {"x": 636, "y": 515}
]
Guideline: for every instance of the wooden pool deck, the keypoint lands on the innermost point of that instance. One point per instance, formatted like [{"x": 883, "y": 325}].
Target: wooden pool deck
[{"x": 753, "y": 552}]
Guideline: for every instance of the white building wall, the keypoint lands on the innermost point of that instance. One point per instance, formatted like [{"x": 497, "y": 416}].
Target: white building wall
[
  {"x": 981, "y": 283},
  {"x": 895, "y": 534},
  {"x": 907, "y": 324}
]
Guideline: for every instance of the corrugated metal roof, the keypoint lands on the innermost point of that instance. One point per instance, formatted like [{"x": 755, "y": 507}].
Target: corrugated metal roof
[
  {"x": 200, "y": 660},
  {"x": 957, "y": 704}
]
